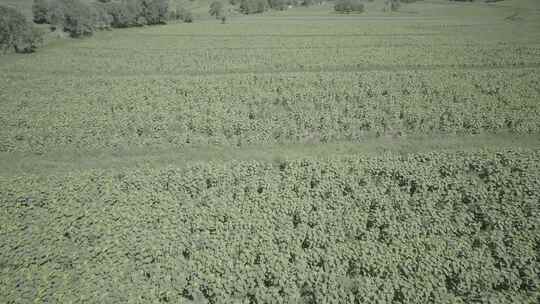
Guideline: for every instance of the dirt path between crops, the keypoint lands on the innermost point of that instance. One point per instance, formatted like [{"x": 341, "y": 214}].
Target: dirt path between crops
[{"x": 13, "y": 164}]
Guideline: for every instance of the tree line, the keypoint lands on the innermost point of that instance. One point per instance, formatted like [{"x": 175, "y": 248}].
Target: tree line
[{"x": 81, "y": 19}]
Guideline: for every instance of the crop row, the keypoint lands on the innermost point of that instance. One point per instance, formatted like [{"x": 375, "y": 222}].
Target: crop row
[
  {"x": 424, "y": 228},
  {"x": 178, "y": 61},
  {"x": 232, "y": 110}
]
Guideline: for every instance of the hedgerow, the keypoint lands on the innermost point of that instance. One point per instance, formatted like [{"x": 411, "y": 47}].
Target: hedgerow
[
  {"x": 424, "y": 228},
  {"x": 80, "y": 18}
]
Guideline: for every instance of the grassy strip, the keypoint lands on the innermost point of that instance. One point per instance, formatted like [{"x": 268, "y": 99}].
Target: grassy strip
[{"x": 66, "y": 161}]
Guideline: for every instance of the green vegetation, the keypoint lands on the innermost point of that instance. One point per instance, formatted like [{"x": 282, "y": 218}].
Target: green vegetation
[
  {"x": 253, "y": 6},
  {"x": 16, "y": 33},
  {"x": 183, "y": 14},
  {"x": 295, "y": 156},
  {"x": 80, "y": 19},
  {"x": 40, "y": 11},
  {"x": 349, "y": 6},
  {"x": 216, "y": 9},
  {"x": 430, "y": 228}
]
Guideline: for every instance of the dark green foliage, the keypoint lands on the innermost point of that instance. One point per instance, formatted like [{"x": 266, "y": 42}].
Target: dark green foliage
[
  {"x": 123, "y": 14},
  {"x": 183, "y": 14},
  {"x": 101, "y": 16},
  {"x": 392, "y": 5},
  {"x": 154, "y": 11},
  {"x": 422, "y": 228},
  {"x": 16, "y": 33},
  {"x": 72, "y": 16},
  {"x": 29, "y": 41},
  {"x": 309, "y": 2},
  {"x": 81, "y": 19},
  {"x": 216, "y": 9},
  {"x": 56, "y": 13},
  {"x": 78, "y": 19},
  {"x": 138, "y": 12},
  {"x": 349, "y": 6},
  {"x": 395, "y": 5},
  {"x": 259, "y": 6},
  {"x": 278, "y": 4},
  {"x": 39, "y": 11},
  {"x": 253, "y": 6}
]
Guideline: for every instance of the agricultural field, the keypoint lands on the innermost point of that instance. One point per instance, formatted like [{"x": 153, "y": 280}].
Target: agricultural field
[{"x": 297, "y": 156}]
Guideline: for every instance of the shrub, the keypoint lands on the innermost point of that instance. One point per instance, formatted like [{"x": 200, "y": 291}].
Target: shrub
[
  {"x": 216, "y": 9},
  {"x": 55, "y": 13},
  {"x": 122, "y": 14},
  {"x": 29, "y": 41},
  {"x": 154, "y": 11},
  {"x": 184, "y": 15},
  {"x": 278, "y": 4},
  {"x": 349, "y": 6},
  {"x": 78, "y": 20},
  {"x": 392, "y": 5},
  {"x": 101, "y": 16},
  {"x": 39, "y": 11},
  {"x": 72, "y": 16},
  {"x": 253, "y": 6},
  {"x": 16, "y": 33}
]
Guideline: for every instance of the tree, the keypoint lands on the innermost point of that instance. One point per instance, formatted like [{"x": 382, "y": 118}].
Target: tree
[
  {"x": 392, "y": 5},
  {"x": 122, "y": 14},
  {"x": 101, "y": 16},
  {"x": 349, "y": 6},
  {"x": 55, "y": 13},
  {"x": 29, "y": 41},
  {"x": 72, "y": 16},
  {"x": 216, "y": 9},
  {"x": 253, "y": 6},
  {"x": 16, "y": 33},
  {"x": 78, "y": 19},
  {"x": 81, "y": 19},
  {"x": 154, "y": 11},
  {"x": 183, "y": 14},
  {"x": 278, "y": 4},
  {"x": 39, "y": 11}
]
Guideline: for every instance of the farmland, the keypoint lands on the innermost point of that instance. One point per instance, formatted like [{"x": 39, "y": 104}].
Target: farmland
[{"x": 300, "y": 156}]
